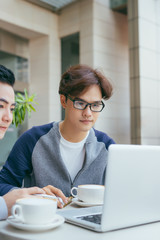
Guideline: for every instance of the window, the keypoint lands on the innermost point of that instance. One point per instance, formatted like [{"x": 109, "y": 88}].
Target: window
[{"x": 69, "y": 54}]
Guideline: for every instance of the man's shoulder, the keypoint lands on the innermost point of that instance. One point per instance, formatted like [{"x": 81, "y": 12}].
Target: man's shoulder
[
  {"x": 103, "y": 137},
  {"x": 36, "y": 132},
  {"x": 42, "y": 129}
]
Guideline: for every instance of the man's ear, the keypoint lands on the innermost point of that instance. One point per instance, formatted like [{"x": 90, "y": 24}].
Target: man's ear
[{"x": 63, "y": 101}]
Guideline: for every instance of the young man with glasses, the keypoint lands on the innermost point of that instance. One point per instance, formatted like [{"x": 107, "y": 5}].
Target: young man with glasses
[{"x": 67, "y": 153}]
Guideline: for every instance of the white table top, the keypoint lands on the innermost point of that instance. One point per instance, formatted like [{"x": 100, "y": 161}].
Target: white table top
[{"x": 72, "y": 232}]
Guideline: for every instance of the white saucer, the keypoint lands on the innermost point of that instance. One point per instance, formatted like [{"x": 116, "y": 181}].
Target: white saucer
[
  {"x": 84, "y": 204},
  {"x": 58, "y": 220}
]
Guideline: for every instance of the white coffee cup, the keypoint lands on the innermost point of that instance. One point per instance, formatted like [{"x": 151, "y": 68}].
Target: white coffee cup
[
  {"x": 34, "y": 210},
  {"x": 89, "y": 193}
]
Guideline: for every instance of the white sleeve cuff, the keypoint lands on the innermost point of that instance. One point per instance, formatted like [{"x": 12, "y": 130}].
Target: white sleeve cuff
[{"x": 3, "y": 209}]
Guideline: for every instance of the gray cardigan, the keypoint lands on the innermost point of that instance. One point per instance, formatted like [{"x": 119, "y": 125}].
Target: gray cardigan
[{"x": 36, "y": 158}]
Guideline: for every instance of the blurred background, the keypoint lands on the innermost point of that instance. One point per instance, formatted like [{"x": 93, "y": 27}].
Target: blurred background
[{"x": 40, "y": 39}]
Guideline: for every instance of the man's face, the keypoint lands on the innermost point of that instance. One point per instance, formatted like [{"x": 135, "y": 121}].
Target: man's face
[
  {"x": 7, "y": 105},
  {"x": 83, "y": 120}
]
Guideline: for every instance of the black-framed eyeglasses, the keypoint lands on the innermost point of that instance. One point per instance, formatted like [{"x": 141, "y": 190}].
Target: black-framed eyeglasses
[{"x": 81, "y": 105}]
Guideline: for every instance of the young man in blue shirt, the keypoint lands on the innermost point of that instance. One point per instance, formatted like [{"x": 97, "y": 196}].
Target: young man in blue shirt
[{"x": 7, "y": 105}]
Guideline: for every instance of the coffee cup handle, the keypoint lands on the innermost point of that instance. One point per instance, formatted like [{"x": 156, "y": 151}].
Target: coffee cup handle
[
  {"x": 74, "y": 188},
  {"x": 17, "y": 212}
]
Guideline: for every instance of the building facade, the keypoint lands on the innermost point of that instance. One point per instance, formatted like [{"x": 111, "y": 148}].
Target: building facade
[{"x": 38, "y": 44}]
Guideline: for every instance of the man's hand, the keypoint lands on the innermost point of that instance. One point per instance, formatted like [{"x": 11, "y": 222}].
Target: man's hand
[
  {"x": 50, "y": 190},
  {"x": 11, "y": 197}
]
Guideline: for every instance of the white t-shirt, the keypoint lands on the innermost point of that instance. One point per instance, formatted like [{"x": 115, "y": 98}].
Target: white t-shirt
[
  {"x": 3, "y": 209},
  {"x": 73, "y": 155}
]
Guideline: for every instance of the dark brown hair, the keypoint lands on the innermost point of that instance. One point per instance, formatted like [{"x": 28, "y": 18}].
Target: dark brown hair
[
  {"x": 79, "y": 77},
  {"x": 6, "y": 76}
]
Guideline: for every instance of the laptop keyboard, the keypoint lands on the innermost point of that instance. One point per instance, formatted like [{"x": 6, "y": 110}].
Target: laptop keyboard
[{"x": 96, "y": 218}]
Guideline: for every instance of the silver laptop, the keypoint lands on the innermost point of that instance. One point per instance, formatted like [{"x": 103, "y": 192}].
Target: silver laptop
[{"x": 132, "y": 191}]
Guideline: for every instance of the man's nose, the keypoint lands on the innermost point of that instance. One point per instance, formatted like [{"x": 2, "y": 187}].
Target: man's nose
[
  {"x": 87, "y": 111},
  {"x": 8, "y": 116}
]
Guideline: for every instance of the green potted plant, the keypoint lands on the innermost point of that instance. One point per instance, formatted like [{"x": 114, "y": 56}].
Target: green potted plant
[{"x": 24, "y": 104}]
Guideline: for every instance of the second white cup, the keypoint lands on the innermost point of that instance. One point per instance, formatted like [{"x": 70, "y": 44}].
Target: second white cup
[{"x": 89, "y": 193}]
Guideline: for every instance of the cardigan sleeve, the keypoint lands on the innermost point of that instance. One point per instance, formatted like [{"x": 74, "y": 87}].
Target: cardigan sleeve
[
  {"x": 19, "y": 162},
  {"x": 17, "y": 165},
  {"x": 3, "y": 209}
]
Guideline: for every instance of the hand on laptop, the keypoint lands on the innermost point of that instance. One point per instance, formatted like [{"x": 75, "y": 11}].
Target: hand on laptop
[{"x": 53, "y": 191}]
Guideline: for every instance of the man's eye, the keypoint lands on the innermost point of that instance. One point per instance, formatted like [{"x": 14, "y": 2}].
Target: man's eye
[
  {"x": 12, "y": 109},
  {"x": 81, "y": 103},
  {"x": 1, "y": 106},
  {"x": 96, "y": 104}
]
